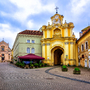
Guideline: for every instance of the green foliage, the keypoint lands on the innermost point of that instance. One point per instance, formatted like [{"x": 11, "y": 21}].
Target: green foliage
[
  {"x": 45, "y": 64},
  {"x": 42, "y": 64},
  {"x": 15, "y": 59},
  {"x": 31, "y": 65},
  {"x": 20, "y": 64},
  {"x": 39, "y": 65},
  {"x": 36, "y": 64},
  {"x": 64, "y": 66},
  {"x": 76, "y": 69},
  {"x": 30, "y": 62},
  {"x": 17, "y": 63}
]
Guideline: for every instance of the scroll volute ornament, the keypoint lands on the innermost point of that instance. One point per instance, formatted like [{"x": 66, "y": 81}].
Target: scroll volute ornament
[{"x": 43, "y": 27}]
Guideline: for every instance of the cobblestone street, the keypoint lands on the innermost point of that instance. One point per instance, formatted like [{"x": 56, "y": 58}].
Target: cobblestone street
[{"x": 14, "y": 78}]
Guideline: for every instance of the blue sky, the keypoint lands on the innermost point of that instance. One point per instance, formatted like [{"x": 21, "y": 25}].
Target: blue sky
[{"x": 19, "y": 15}]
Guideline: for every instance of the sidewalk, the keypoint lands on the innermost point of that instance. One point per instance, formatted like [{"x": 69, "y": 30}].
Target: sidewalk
[{"x": 85, "y": 73}]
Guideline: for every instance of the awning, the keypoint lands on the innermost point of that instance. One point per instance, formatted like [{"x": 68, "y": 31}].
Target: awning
[{"x": 31, "y": 56}]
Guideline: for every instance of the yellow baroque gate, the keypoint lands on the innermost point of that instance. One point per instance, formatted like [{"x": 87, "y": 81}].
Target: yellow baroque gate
[{"x": 59, "y": 43}]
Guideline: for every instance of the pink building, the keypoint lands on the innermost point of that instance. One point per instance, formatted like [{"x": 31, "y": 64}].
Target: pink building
[{"x": 5, "y": 52}]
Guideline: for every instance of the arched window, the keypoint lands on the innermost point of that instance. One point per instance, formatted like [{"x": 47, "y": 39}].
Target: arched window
[
  {"x": 82, "y": 47},
  {"x": 78, "y": 49},
  {"x": 86, "y": 44},
  {"x": 33, "y": 41},
  {"x": 2, "y": 54},
  {"x": 32, "y": 50},
  {"x": 8, "y": 56},
  {"x": 2, "y": 47},
  {"x": 28, "y": 50}
]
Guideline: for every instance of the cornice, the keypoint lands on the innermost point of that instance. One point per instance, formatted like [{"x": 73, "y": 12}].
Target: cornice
[
  {"x": 59, "y": 38},
  {"x": 26, "y": 35}
]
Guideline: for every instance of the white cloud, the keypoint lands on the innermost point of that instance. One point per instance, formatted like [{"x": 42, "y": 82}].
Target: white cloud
[
  {"x": 7, "y": 33},
  {"x": 76, "y": 34},
  {"x": 30, "y": 24},
  {"x": 79, "y": 6},
  {"x": 30, "y": 7}
]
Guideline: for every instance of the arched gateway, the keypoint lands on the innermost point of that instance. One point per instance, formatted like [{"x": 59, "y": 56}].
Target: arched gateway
[
  {"x": 57, "y": 54},
  {"x": 58, "y": 42}
]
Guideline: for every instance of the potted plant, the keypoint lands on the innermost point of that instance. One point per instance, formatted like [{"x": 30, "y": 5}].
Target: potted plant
[
  {"x": 64, "y": 68},
  {"x": 40, "y": 65},
  {"x": 15, "y": 59},
  {"x": 22, "y": 65},
  {"x": 31, "y": 65},
  {"x": 17, "y": 64},
  {"x": 36, "y": 65},
  {"x": 76, "y": 71},
  {"x": 45, "y": 64}
]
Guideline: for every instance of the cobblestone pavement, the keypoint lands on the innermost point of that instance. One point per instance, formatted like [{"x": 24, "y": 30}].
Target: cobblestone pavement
[{"x": 14, "y": 78}]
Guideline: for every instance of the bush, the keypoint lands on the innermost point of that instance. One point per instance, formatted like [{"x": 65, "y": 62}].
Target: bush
[
  {"x": 76, "y": 69},
  {"x": 17, "y": 63},
  {"x": 15, "y": 59},
  {"x": 64, "y": 66},
  {"x": 39, "y": 65},
  {"x": 45, "y": 64},
  {"x": 36, "y": 64},
  {"x": 20, "y": 64},
  {"x": 31, "y": 65},
  {"x": 42, "y": 64}
]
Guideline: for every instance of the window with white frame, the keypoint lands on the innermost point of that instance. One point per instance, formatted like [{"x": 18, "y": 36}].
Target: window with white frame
[
  {"x": 28, "y": 50},
  {"x": 32, "y": 50},
  {"x": 33, "y": 41},
  {"x": 82, "y": 47},
  {"x": 28, "y": 41},
  {"x": 86, "y": 45}
]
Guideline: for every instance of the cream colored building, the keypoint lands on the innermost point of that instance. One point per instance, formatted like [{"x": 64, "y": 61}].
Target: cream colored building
[
  {"x": 59, "y": 43},
  {"x": 84, "y": 47},
  {"x": 5, "y": 52}
]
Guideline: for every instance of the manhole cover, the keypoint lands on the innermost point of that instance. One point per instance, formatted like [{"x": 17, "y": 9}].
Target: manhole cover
[
  {"x": 36, "y": 70},
  {"x": 49, "y": 78}
]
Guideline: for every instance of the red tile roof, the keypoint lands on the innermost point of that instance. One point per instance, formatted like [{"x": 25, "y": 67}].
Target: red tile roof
[
  {"x": 86, "y": 31},
  {"x": 31, "y": 32}
]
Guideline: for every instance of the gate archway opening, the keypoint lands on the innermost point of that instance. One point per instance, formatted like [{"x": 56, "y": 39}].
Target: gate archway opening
[{"x": 57, "y": 56}]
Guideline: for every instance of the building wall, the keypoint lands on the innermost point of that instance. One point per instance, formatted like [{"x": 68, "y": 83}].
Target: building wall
[
  {"x": 85, "y": 52},
  {"x": 6, "y": 52},
  {"x": 20, "y": 45}
]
